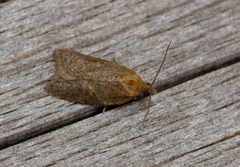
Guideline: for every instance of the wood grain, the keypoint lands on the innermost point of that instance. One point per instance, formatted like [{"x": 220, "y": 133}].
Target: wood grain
[
  {"x": 195, "y": 123},
  {"x": 205, "y": 37}
]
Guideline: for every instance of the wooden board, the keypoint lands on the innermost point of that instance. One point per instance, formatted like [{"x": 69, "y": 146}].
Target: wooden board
[
  {"x": 195, "y": 123},
  {"x": 205, "y": 37}
]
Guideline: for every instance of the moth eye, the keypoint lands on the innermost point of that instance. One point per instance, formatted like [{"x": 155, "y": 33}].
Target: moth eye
[{"x": 145, "y": 93}]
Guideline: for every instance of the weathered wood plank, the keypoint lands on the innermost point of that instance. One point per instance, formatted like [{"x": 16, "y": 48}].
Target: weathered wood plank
[
  {"x": 204, "y": 33},
  {"x": 195, "y": 123}
]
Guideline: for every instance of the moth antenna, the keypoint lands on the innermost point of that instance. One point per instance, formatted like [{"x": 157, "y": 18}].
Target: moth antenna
[
  {"x": 149, "y": 103},
  {"x": 161, "y": 64}
]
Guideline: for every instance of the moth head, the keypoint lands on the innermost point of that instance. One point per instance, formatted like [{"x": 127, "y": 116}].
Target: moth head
[{"x": 148, "y": 89}]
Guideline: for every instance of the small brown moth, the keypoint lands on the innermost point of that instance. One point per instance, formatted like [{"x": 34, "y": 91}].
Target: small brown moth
[{"x": 89, "y": 80}]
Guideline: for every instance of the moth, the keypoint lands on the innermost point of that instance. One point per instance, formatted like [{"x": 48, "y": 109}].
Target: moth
[{"x": 89, "y": 80}]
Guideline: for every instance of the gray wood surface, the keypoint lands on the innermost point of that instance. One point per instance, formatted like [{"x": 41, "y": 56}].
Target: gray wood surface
[
  {"x": 195, "y": 123},
  {"x": 194, "y": 118}
]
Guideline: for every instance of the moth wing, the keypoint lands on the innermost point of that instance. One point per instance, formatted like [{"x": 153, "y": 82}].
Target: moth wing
[
  {"x": 90, "y": 80},
  {"x": 119, "y": 91}
]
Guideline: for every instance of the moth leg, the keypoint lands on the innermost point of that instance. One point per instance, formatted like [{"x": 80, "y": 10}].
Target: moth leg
[
  {"x": 115, "y": 60},
  {"x": 104, "y": 109}
]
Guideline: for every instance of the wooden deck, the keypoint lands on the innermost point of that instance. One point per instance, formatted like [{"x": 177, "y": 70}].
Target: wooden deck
[{"x": 194, "y": 118}]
